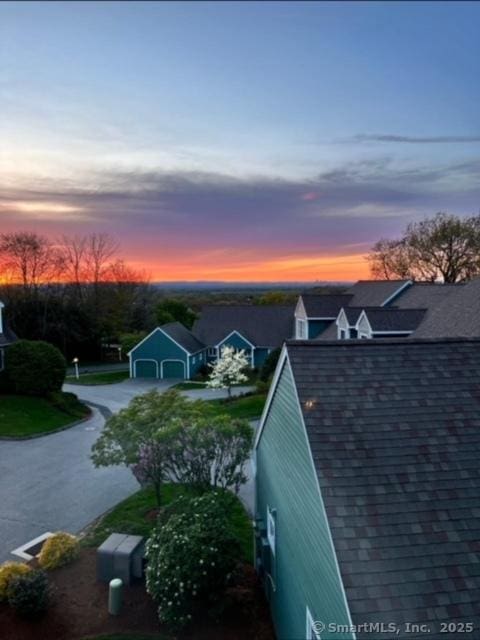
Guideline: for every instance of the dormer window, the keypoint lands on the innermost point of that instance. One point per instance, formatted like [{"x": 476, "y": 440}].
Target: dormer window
[{"x": 301, "y": 329}]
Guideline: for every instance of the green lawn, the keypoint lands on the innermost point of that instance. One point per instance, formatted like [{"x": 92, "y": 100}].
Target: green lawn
[
  {"x": 25, "y": 416},
  {"x": 247, "y": 407},
  {"x": 131, "y": 516},
  {"x": 102, "y": 377}
]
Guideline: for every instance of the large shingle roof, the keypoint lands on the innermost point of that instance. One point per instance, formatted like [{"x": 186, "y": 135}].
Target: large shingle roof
[
  {"x": 390, "y": 319},
  {"x": 394, "y": 430},
  {"x": 457, "y": 315},
  {"x": 374, "y": 293},
  {"x": 183, "y": 336},
  {"x": 262, "y": 325},
  {"x": 324, "y": 305},
  {"x": 424, "y": 295}
]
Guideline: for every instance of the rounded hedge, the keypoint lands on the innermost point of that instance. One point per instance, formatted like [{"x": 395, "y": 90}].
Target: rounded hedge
[
  {"x": 29, "y": 594},
  {"x": 35, "y": 368},
  {"x": 8, "y": 572},
  {"x": 58, "y": 550}
]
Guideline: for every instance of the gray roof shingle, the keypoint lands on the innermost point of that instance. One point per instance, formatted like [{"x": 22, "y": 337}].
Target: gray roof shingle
[
  {"x": 185, "y": 338},
  {"x": 457, "y": 315},
  {"x": 374, "y": 293},
  {"x": 391, "y": 319},
  {"x": 262, "y": 325},
  {"x": 424, "y": 295},
  {"x": 324, "y": 305},
  {"x": 394, "y": 429}
]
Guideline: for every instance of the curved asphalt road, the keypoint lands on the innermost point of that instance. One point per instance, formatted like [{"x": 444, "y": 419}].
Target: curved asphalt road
[{"x": 50, "y": 483}]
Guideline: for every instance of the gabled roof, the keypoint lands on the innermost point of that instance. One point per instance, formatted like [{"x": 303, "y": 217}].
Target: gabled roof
[
  {"x": 424, "y": 295},
  {"x": 324, "y": 305},
  {"x": 457, "y": 315},
  {"x": 389, "y": 319},
  {"x": 394, "y": 430},
  {"x": 262, "y": 325},
  {"x": 182, "y": 336},
  {"x": 375, "y": 293}
]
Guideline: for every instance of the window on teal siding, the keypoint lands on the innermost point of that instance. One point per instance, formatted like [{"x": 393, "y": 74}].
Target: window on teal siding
[
  {"x": 200, "y": 357},
  {"x": 212, "y": 352},
  {"x": 271, "y": 528}
]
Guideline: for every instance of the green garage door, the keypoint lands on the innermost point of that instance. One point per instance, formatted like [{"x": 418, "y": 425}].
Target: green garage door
[
  {"x": 145, "y": 369},
  {"x": 175, "y": 369}
]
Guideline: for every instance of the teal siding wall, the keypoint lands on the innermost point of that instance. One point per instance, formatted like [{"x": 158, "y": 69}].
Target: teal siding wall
[
  {"x": 158, "y": 347},
  {"x": 259, "y": 357},
  {"x": 316, "y": 327},
  {"x": 196, "y": 361},
  {"x": 304, "y": 565},
  {"x": 237, "y": 342}
]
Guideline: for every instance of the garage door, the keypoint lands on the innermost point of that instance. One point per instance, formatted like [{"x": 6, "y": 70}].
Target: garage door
[
  {"x": 175, "y": 369},
  {"x": 145, "y": 369}
]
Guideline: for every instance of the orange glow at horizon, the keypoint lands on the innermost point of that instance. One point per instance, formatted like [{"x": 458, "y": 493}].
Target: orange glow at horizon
[{"x": 287, "y": 269}]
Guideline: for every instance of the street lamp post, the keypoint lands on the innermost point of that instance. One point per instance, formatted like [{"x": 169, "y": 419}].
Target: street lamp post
[
  {"x": 120, "y": 353},
  {"x": 75, "y": 362}
]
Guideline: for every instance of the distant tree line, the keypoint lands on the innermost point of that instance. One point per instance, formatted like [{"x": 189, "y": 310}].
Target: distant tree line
[{"x": 75, "y": 292}]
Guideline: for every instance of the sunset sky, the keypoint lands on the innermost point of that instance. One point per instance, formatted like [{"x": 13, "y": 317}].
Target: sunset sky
[{"x": 238, "y": 141}]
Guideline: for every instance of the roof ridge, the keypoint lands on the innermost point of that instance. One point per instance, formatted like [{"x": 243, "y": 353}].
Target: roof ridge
[{"x": 379, "y": 341}]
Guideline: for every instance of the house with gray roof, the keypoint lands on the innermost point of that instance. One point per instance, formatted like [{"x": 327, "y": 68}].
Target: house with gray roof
[
  {"x": 397, "y": 309},
  {"x": 173, "y": 351},
  {"x": 457, "y": 315},
  {"x": 367, "y": 490},
  {"x": 7, "y": 336},
  {"x": 368, "y": 309}
]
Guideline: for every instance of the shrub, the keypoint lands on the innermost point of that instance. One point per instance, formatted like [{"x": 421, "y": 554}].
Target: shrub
[
  {"x": 35, "y": 368},
  {"x": 9, "y": 571},
  {"x": 269, "y": 365},
  {"x": 29, "y": 594},
  {"x": 191, "y": 558},
  {"x": 5, "y": 383},
  {"x": 67, "y": 402},
  {"x": 58, "y": 550}
]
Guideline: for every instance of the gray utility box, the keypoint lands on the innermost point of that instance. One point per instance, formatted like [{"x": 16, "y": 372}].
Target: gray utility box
[{"x": 120, "y": 556}]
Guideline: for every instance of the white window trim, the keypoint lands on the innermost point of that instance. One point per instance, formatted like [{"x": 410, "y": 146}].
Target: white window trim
[
  {"x": 271, "y": 528},
  {"x": 310, "y": 631},
  {"x": 301, "y": 329}
]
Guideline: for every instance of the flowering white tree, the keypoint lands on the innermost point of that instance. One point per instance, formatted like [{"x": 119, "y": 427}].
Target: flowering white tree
[{"x": 228, "y": 370}]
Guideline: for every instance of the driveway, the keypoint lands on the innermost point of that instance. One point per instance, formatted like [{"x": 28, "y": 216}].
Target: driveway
[
  {"x": 50, "y": 484},
  {"x": 117, "y": 396}
]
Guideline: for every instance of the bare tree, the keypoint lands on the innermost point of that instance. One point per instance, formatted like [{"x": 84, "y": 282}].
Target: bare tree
[
  {"x": 444, "y": 247},
  {"x": 100, "y": 249},
  {"x": 29, "y": 259},
  {"x": 73, "y": 253}
]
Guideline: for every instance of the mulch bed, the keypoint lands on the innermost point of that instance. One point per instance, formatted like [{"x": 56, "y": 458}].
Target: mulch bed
[{"x": 79, "y": 610}]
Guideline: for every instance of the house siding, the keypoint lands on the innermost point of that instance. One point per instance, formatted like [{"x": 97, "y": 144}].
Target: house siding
[
  {"x": 304, "y": 567},
  {"x": 197, "y": 361},
  {"x": 237, "y": 342},
  {"x": 316, "y": 327},
  {"x": 157, "y": 348},
  {"x": 260, "y": 355}
]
